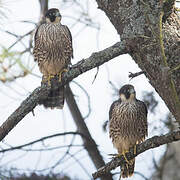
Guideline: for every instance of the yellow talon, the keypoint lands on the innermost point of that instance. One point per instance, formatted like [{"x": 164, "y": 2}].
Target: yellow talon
[
  {"x": 127, "y": 161},
  {"x": 130, "y": 162},
  {"x": 49, "y": 79},
  {"x": 60, "y": 74},
  {"x": 135, "y": 148},
  {"x": 124, "y": 152}
]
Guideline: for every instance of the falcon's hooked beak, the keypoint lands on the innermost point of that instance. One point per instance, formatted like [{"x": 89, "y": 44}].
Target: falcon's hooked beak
[
  {"x": 58, "y": 14},
  {"x": 128, "y": 95},
  {"x": 132, "y": 91},
  {"x": 58, "y": 17}
]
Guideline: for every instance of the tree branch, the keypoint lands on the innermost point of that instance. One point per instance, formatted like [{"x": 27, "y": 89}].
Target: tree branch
[
  {"x": 151, "y": 143},
  {"x": 133, "y": 75},
  {"x": 96, "y": 59},
  {"x": 43, "y": 9},
  {"x": 43, "y": 139}
]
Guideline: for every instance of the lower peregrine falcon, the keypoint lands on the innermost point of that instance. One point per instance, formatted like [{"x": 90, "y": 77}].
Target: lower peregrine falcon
[
  {"x": 127, "y": 125},
  {"x": 53, "y": 52}
]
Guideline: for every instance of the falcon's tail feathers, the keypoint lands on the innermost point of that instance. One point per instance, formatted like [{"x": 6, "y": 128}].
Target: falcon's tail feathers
[
  {"x": 55, "y": 97},
  {"x": 127, "y": 169}
]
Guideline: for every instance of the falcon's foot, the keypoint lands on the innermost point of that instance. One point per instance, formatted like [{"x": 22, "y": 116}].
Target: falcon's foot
[
  {"x": 60, "y": 74},
  {"x": 124, "y": 155},
  {"x": 113, "y": 155},
  {"x": 135, "y": 149},
  {"x": 50, "y": 76},
  {"x": 48, "y": 79}
]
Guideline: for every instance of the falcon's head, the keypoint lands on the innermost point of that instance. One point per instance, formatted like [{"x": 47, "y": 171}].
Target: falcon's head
[
  {"x": 127, "y": 93},
  {"x": 53, "y": 16}
]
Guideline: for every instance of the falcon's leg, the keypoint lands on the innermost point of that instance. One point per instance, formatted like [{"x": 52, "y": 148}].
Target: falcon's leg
[
  {"x": 48, "y": 79},
  {"x": 124, "y": 155},
  {"x": 60, "y": 74},
  {"x": 135, "y": 149}
]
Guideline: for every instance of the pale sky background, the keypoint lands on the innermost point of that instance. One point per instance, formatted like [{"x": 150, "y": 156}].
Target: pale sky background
[{"x": 47, "y": 122}]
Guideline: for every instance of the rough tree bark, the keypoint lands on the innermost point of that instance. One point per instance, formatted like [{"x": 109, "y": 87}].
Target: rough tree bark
[
  {"x": 169, "y": 165},
  {"x": 151, "y": 33}
]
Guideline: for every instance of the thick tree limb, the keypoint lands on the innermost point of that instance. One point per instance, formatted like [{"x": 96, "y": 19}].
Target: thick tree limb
[
  {"x": 43, "y": 9},
  {"x": 151, "y": 143},
  {"x": 96, "y": 59}
]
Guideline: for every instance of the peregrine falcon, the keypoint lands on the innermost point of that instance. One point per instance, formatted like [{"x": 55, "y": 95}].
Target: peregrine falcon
[
  {"x": 53, "y": 52},
  {"x": 127, "y": 125}
]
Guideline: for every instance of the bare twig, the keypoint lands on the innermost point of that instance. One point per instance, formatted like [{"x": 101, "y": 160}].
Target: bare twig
[
  {"x": 65, "y": 154},
  {"x": 133, "y": 75},
  {"x": 83, "y": 167},
  {"x": 95, "y": 75},
  {"x": 151, "y": 143},
  {"x": 19, "y": 38},
  {"x": 42, "y": 139},
  {"x": 88, "y": 99},
  {"x": 141, "y": 175}
]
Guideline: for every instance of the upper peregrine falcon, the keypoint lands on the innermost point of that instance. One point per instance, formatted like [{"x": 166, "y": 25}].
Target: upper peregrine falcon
[
  {"x": 53, "y": 52},
  {"x": 128, "y": 124}
]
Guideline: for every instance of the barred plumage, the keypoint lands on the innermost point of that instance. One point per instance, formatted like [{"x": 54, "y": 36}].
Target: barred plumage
[
  {"x": 53, "y": 52},
  {"x": 128, "y": 124}
]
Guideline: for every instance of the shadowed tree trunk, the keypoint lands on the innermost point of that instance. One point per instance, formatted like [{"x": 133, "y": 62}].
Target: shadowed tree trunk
[
  {"x": 89, "y": 143},
  {"x": 169, "y": 164},
  {"x": 43, "y": 9}
]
